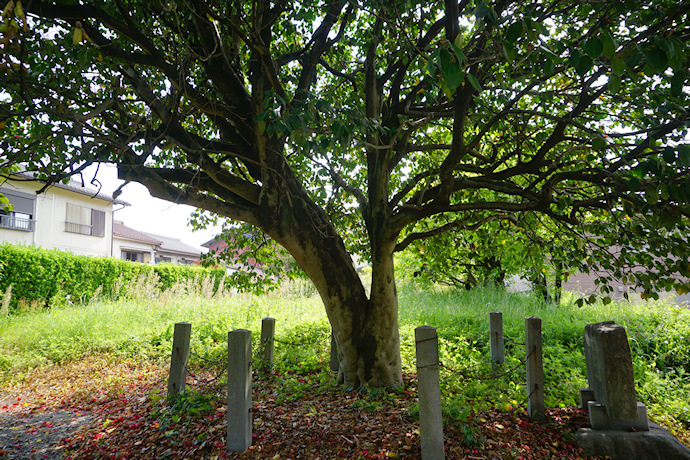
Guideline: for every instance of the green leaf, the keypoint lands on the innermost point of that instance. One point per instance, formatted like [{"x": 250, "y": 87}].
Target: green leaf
[
  {"x": 609, "y": 44},
  {"x": 684, "y": 154},
  {"x": 444, "y": 60},
  {"x": 593, "y": 47},
  {"x": 633, "y": 184},
  {"x": 482, "y": 10},
  {"x": 584, "y": 65},
  {"x": 514, "y": 32},
  {"x": 508, "y": 51},
  {"x": 474, "y": 82},
  {"x": 669, "y": 155},
  {"x": 453, "y": 76},
  {"x": 677, "y": 82},
  {"x": 657, "y": 59},
  {"x": 458, "y": 53},
  {"x": 667, "y": 46},
  {"x": 599, "y": 143},
  {"x": 614, "y": 83},
  {"x": 618, "y": 66}
]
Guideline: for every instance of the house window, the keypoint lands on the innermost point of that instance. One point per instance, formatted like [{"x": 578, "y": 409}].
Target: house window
[
  {"x": 85, "y": 221},
  {"x": 133, "y": 256},
  {"x": 22, "y": 213}
]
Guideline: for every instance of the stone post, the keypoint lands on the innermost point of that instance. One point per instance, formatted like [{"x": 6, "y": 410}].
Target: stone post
[
  {"x": 179, "y": 358},
  {"x": 430, "y": 419},
  {"x": 268, "y": 330},
  {"x": 239, "y": 408},
  {"x": 535, "y": 368},
  {"x": 496, "y": 342}
]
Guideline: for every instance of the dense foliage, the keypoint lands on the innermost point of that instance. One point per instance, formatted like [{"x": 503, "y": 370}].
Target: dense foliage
[{"x": 35, "y": 277}]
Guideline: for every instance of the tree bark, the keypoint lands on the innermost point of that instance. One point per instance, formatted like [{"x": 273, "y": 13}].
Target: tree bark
[{"x": 365, "y": 329}]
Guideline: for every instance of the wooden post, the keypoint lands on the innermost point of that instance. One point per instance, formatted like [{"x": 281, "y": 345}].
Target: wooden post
[
  {"x": 496, "y": 342},
  {"x": 239, "y": 408},
  {"x": 335, "y": 361},
  {"x": 535, "y": 368},
  {"x": 268, "y": 330},
  {"x": 179, "y": 358},
  {"x": 430, "y": 419}
]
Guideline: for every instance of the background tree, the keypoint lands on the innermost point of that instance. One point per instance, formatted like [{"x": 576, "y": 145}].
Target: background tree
[{"x": 344, "y": 126}]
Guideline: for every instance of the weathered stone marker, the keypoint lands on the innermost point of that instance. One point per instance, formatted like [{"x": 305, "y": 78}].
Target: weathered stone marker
[
  {"x": 268, "y": 330},
  {"x": 620, "y": 428},
  {"x": 430, "y": 418},
  {"x": 611, "y": 398},
  {"x": 177, "y": 379},
  {"x": 496, "y": 342},
  {"x": 239, "y": 410}
]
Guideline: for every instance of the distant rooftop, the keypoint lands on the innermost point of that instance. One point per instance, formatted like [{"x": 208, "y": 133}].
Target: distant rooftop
[
  {"x": 121, "y": 230},
  {"x": 175, "y": 245}
]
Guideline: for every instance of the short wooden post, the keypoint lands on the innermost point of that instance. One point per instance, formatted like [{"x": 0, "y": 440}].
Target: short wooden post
[
  {"x": 430, "y": 419},
  {"x": 535, "y": 368},
  {"x": 268, "y": 330},
  {"x": 239, "y": 408},
  {"x": 496, "y": 342},
  {"x": 335, "y": 361},
  {"x": 179, "y": 358}
]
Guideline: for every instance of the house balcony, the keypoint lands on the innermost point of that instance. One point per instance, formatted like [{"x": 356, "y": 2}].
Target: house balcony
[
  {"x": 82, "y": 229},
  {"x": 11, "y": 222}
]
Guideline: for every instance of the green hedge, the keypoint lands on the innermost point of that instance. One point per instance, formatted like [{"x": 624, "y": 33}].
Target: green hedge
[{"x": 49, "y": 277}]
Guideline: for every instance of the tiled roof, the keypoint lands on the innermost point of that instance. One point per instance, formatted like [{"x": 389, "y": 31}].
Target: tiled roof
[
  {"x": 77, "y": 187},
  {"x": 121, "y": 230},
  {"x": 176, "y": 246}
]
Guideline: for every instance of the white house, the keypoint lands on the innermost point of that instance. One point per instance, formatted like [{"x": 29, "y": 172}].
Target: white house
[
  {"x": 131, "y": 244},
  {"x": 175, "y": 251},
  {"x": 68, "y": 217},
  {"x": 79, "y": 219}
]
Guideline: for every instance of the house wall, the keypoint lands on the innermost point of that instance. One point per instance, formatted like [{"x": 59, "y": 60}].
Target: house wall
[
  {"x": 175, "y": 258},
  {"x": 120, "y": 245},
  {"x": 50, "y": 214}
]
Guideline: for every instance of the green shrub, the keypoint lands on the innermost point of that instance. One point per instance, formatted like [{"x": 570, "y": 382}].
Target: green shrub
[{"x": 41, "y": 278}]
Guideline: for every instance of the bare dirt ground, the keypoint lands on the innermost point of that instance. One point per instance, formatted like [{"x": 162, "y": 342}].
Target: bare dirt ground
[{"x": 99, "y": 409}]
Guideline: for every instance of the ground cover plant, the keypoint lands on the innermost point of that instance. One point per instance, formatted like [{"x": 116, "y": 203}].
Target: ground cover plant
[{"x": 104, "y": 364}]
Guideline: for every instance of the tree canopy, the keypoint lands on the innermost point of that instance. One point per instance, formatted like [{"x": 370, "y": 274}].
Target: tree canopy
[{"x": 366, "y": 127}]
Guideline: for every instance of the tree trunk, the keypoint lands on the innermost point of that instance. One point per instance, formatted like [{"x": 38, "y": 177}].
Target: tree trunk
[{"x": 365, "y": 329}]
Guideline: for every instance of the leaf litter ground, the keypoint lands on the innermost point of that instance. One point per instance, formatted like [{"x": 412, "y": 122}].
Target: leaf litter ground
[{"x": 97, "y": 408}]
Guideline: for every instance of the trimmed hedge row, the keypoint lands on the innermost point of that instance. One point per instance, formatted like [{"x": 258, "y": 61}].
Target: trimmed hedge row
[{"x": 46, "y": 277}]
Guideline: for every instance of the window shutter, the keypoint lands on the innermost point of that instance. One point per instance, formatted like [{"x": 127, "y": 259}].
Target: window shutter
[
  {"x": 97, "y": 222},
  {"x": 22, "y": 202}
]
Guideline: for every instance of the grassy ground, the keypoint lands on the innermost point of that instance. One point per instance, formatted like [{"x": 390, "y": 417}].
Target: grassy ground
[{"x": 140, "y": 329}]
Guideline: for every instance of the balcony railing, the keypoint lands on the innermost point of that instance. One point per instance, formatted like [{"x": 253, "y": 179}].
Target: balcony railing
[
  {"x": 83, "y": 229},
  {"x": 11, "y": 222}
]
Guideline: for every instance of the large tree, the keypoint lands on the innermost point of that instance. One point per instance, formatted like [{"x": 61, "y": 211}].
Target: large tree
[{"x": 343, "y": 126}]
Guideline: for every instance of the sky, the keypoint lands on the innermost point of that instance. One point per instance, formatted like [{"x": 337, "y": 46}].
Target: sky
[{"x": 146, "y": 213}]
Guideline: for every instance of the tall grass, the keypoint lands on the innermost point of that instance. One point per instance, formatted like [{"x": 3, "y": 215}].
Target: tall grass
[{"x": 141, "y": 326}]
